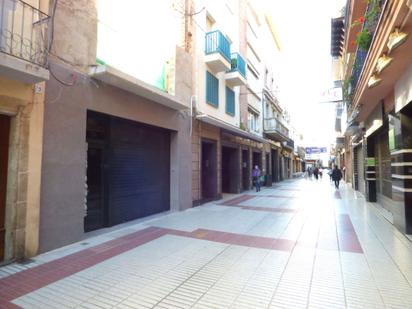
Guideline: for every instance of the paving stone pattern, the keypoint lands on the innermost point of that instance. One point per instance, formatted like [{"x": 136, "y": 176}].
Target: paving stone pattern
[{"x": 299, "y": 244}]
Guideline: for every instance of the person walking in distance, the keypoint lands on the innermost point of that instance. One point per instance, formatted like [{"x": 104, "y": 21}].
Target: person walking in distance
[
  {"x": 316, "y": 173},
  {"x": 336, "y": 176},
  {"x": 256, "y": 177},
  {"x": 310, "y": 172}
]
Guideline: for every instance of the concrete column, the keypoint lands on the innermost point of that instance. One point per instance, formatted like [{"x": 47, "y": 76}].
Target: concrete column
[{"x": 35, "y": 152}]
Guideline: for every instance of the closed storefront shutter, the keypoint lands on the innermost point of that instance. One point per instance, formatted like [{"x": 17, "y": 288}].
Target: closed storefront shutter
[
  {"x": 139, "y": 182},
  {"x": 128, "y": 174}
]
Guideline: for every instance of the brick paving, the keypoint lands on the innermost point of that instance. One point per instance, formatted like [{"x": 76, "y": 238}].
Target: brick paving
[{"x": 300, "y": 244}]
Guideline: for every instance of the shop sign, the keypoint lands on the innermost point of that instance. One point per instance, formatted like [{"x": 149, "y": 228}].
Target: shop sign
[
  {"x": 370, "y": 161},
  {"x": 315, "y": 150},
  {"x": 391, "y": 134}
]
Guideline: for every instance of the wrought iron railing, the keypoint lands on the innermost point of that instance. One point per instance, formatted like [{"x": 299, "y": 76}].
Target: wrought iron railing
[
  {"x": 23, "y": 31},
  {"x": 273, "y": 124},
  {"x": 238, "y": 64},
  {"x": 216, "y": 42},
  {"x": 361, "y": 54}
]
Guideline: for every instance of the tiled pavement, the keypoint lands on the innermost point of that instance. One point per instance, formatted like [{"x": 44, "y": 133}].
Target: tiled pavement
[{"x": 300, "y": 244}]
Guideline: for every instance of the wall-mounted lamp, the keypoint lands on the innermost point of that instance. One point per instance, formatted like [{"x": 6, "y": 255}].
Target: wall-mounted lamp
[
  {"x": 396, "y": 38},
  {"x": 373, "y": 81},
  {"x": 383, "y": 62}
]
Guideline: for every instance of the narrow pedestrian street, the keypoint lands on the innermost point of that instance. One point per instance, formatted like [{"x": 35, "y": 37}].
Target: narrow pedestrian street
[{"x": 299, "y": 244}]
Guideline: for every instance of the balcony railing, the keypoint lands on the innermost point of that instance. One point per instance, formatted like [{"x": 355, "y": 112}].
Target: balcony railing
[
  {"x": 289, "y": 143},
  {"x": 23, "y": 31},
  {"x": 238, "y": 64},
  {"x": 361, "y": 54},
  {"x": 273, "y": 124},
  {"x": 216, "y": 42}
]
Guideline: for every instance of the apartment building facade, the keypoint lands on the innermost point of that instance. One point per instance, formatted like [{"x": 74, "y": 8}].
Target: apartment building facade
[
  {"x": 23, "y": 70},
  {"x": 117, "y": 117},
  {"x": 235, "y": 63},
  {"x": 373, "y": 45},
  {"x": 99, "y": 128}
]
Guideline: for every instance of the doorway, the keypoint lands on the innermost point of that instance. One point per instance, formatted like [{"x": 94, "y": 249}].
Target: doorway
[
  {"x": 245, "y": 170},
  {"x": 128, "y": 170},
  {"x": 268, "y": 171},
  {"x": 275, "y": 165},
  {"x": 257, "y": 159},
  {"x": 96, "y": 211},
  {"x": 209, "y": 169},
  {"x": 4, "y": 158},
  {"x": 230, "y": 170}
]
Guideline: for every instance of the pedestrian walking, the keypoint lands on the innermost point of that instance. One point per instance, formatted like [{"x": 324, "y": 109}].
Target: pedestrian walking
[
  {"x": 336, "y": 176},
  {"x": 310, "y": 172},
  {"x": 316, "y": 173},
  {"x": 256, "y": 177},
  {"x": 330, "y": 175}
]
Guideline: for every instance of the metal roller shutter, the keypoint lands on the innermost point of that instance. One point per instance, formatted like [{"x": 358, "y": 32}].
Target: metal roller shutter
[{"x": 139, "y": 181}]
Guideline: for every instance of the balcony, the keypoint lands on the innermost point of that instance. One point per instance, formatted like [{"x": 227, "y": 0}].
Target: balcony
[
  {"x": 361, "y": 54},
  {"x": 340, "y": 142},
  {"x": 301, "y": 152},
  {"x": 217, "y": 50},
  {"x": 289, "y": 143},
  {"x": 23, "y": 42},
  {"x": 237, "y": 75},
  {"x": 275, "y": 130}
]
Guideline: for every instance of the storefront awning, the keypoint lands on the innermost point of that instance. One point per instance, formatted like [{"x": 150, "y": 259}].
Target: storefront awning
[
  {"x": 119, "y": 79},
  {"x": 230, "y": 128}
]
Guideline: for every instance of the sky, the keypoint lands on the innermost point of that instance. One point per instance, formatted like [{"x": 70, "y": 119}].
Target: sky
[{"x": 304, "y": 30}]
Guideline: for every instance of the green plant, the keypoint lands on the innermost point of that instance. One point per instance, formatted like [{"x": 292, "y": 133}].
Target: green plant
[
  {"x": 363, "y": 40},
  {"x": 346, "y": 92},
  {"x": 242, "y": 126},
  {"x": 233, "y": 63},
  {"x": 364, "y": 37}
]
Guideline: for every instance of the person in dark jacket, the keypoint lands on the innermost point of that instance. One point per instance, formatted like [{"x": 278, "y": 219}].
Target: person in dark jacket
[
  {"x": 256, "y": 178},
  {"x": 316, "y": 173},
  {"x": 336, "y": 176}
]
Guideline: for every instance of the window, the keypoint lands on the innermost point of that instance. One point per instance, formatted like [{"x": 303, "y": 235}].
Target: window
[
  {"x": 253, "y": 121},
  {"x": 230, "y": 101},
  {"x": 212, "y": 90},
  {"x": 210, "y": 22}
]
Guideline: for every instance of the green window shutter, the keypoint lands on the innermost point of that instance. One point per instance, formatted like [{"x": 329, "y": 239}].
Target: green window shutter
[
  {"x": 212, "y": 90},
  {"x": 230, "y": 101}
]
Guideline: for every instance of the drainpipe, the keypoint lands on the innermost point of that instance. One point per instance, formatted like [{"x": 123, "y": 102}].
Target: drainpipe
[{"x": 192, "y": 103}]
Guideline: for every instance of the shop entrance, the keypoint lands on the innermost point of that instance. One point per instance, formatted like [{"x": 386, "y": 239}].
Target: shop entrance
[
  {"x": 383, "y": 170},
  {"x": 268, "y": 171},
  {"x": 4, "y": 158},
  {"x": 257, "y": 160},
  {"x": 96, "y": 209},
  {"x": 275, "y": 165},
  {"x": 209, "y": 169},
  {"x": 245, "y": 170},
  {"x": 230, "y": 170},
  {"x": 128, "y": 170}
]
